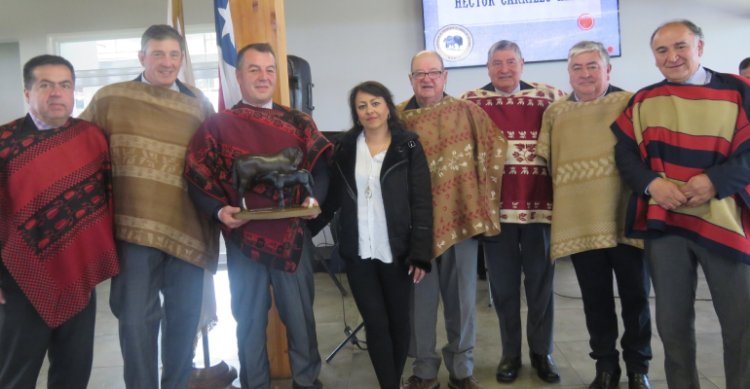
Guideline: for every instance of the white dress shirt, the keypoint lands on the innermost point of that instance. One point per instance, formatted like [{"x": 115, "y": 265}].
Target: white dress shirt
[{"x": 373, "y": 230}]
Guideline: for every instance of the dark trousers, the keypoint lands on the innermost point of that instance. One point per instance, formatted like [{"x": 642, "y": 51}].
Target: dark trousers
[
  {"x": 594, "y": 270},
  {"x": 25, "y": 338},
  {"x": 522, "y": 249},
  {"x": 382, "y": 291}
]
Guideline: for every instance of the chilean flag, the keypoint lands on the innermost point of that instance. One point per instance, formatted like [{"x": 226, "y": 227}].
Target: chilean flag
[{"x": 229, "y": 91}]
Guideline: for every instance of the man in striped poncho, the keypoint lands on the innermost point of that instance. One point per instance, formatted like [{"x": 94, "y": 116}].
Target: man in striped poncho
[{"x": 684, "y": 148}]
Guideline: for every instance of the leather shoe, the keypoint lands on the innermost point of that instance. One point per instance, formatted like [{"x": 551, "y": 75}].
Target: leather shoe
[
  {"x": 507, "y": 370},
  {"x": 606, "y": 379},
  {"x": 638, "y": 381},
  {"x": 545, "y": 367}
]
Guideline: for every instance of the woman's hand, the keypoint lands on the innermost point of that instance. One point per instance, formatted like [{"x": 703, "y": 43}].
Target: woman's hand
[
  {"x": 309, "y": 203},
  {"x": 416, "y": 273}
]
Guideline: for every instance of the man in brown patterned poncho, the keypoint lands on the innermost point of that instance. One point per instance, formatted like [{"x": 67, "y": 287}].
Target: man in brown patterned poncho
[{"x": 465, "y": 153}]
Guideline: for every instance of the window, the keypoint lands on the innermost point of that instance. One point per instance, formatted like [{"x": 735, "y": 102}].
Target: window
[{"x": 101, "y": 59}]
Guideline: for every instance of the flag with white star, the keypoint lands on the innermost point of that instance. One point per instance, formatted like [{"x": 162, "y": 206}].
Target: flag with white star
[{"x": 229, "y": 91}]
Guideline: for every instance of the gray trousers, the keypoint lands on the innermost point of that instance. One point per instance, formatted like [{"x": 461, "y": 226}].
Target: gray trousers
[
  {"x": 249, "y": 283},
  {"x": 673, "y": 261},
  {"x": 454, "y": 278},
  {"x": 522, "y": 249},
  {"x": 134, "y": 299}
]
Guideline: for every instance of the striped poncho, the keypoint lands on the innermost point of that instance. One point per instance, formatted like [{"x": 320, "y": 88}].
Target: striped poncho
[
  {"x": 149, "y": 129},
  {"x": 676, "y": 132}
]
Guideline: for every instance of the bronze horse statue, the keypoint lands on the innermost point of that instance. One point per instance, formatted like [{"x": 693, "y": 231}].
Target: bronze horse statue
[
  {"x": 280, "y": 180},
  {"x": 247, "y": 169}
]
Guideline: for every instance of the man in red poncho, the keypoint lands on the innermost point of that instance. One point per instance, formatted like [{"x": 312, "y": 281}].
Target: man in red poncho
[
  {"x": 262, "y": 253},
  {"x": 56, "y": 240}
]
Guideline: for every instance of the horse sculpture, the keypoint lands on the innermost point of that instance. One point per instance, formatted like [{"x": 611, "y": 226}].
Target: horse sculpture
[
  {"x": 280, "y": 180},
  {"x": 247, "y": 169}
]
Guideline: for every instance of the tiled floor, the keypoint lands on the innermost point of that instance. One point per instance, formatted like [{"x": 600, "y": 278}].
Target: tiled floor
[{"x": 351, "y": 367}]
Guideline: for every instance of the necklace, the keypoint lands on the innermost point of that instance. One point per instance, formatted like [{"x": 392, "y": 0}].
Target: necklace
[
  {"x": 380, "y": 150},
  {"x": 375, "y": 159},
  {"x": 384, "y": 137}
]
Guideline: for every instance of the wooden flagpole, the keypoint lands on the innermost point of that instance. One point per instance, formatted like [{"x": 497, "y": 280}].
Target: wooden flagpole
[{"x": 263, "y": 21}]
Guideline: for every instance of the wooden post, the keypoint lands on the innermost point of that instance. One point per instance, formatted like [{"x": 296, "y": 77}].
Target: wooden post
[
  {"x": 258, "y": 21},
  {"x": 263, "y": 21}
]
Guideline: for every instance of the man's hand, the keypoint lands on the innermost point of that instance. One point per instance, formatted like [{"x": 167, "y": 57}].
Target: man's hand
[
  {"x": 416, "y": 273},
  {"x": 666, "y": 194},
  {"x": 2, "y": 297},
  {"x": 226, "y": 215},
  {"x": 698, "y": 190},
  {"x": 309, "y": 203}
]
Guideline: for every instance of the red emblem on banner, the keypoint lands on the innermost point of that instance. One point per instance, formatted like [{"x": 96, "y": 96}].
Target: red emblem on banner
[{"x": 585, "y": 21}]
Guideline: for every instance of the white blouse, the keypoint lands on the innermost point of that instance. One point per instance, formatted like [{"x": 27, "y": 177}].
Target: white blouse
[{"x": 373, "y": 230}]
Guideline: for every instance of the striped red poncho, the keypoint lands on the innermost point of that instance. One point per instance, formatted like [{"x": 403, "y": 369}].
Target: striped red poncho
[{"x": 677, "y": 131}]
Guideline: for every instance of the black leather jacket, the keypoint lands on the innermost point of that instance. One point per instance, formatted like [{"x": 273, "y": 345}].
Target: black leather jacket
[{"x": 407, "y": 198}]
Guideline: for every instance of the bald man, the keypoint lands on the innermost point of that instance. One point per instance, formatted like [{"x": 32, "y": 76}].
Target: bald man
[
  {"x": 684, "y": 149},
  {"x": 465, "y": 152}
]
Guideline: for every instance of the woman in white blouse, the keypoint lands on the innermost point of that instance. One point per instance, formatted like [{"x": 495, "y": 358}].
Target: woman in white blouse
[{"x": 380, "y": 186}]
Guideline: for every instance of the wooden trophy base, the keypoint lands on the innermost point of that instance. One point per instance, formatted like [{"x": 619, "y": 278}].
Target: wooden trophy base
[{"x": 277, "y": 213}]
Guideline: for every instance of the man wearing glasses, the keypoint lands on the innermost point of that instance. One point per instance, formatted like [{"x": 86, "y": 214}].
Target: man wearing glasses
[
  {"x": 465, "y": 152},
  {"x": 517, "y": 107}
]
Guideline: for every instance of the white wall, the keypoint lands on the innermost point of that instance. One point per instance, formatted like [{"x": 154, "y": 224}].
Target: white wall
[
  {"x": 351, "y": 41},
  {"x": 10, "y": 79}
]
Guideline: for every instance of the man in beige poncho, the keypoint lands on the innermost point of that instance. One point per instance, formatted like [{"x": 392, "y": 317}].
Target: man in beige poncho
[
  {"x": 465, "y": 153},
  {"x": 162, "y": 241},
  {"x": 588, "y": 219}
]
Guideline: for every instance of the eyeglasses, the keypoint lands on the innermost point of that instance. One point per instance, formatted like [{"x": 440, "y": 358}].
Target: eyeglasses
[{"x": 433, "y": 74}]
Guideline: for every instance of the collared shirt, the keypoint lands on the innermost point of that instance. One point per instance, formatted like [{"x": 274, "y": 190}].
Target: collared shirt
[
  {"x": 373, "y": 230},
  {"x": 610, "y": 88},
  {"x": 700, "y": 77},
  {"x": 173, "y": 87},
  {"x": 40, "y": 125},
  {"x": 267, "y": 105},
  {"x": 515, "y": 90},
  {"x": 574, "y": 96}
]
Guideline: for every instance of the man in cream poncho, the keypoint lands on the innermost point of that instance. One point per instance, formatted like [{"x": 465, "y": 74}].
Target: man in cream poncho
[{"x": 588, "y": 219}]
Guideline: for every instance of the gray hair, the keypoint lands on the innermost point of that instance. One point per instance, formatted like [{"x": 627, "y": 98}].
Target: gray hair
[
  {"x": 697, "y": 31},
  {"x": 503, "y": 45},
  {"x": 587, "y": 47}
]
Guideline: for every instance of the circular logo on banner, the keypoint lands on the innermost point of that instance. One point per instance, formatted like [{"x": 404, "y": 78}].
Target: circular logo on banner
[
  {"x": 585, "y": 21},
  {"x": 453, "y": 42}
]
